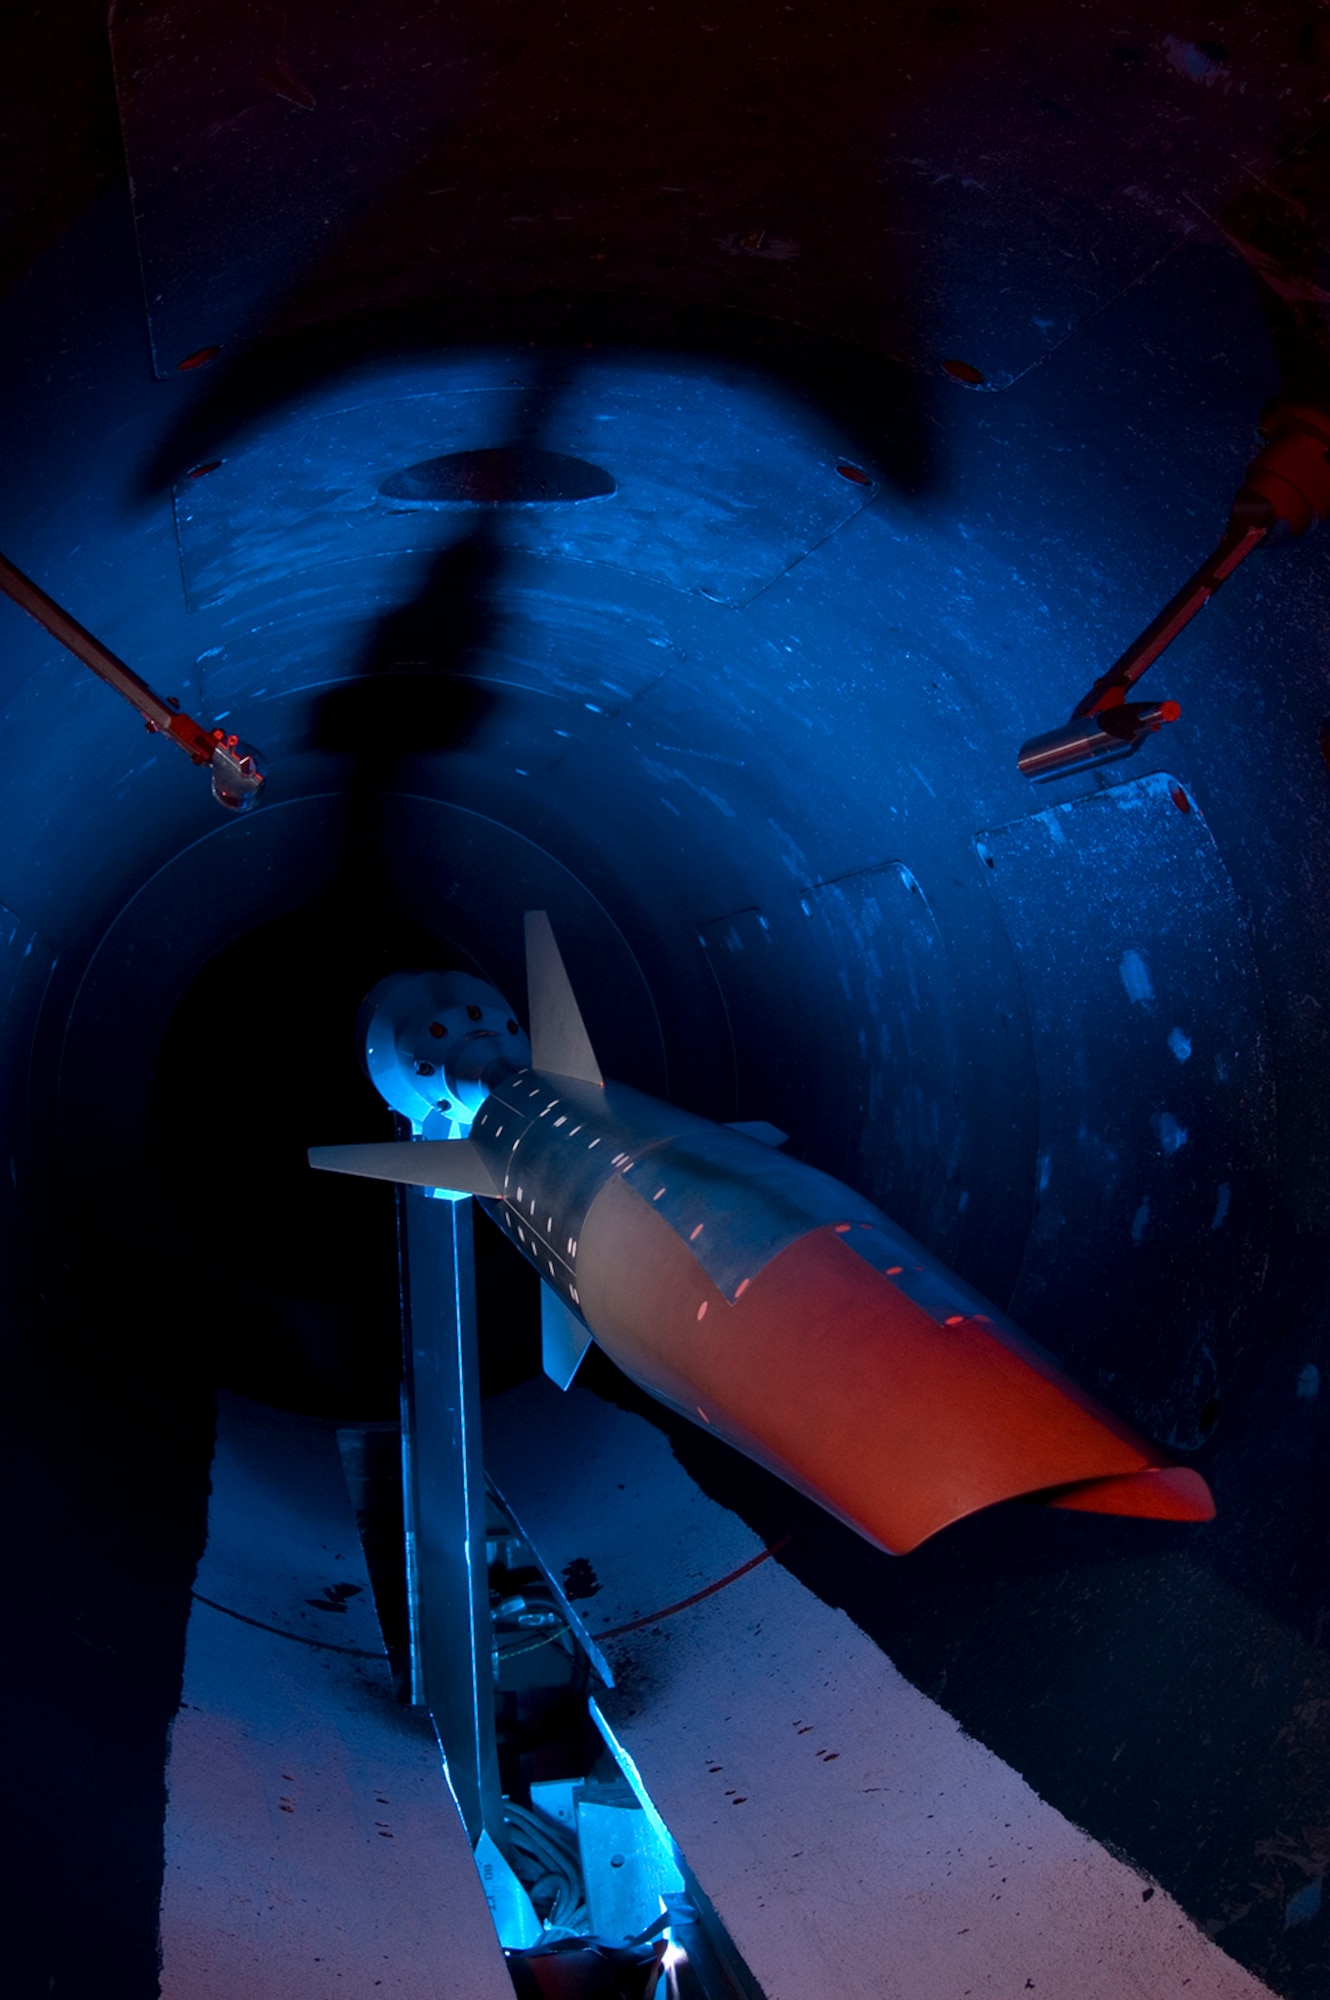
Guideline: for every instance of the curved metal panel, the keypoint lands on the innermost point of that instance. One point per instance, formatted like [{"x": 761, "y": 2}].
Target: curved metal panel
[
  {"x": 316, "y": 488},
  {"x": 1156, "y": 1103}
]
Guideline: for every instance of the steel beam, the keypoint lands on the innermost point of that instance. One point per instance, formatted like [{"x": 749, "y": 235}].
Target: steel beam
[{"x": 444, "y": 1491}]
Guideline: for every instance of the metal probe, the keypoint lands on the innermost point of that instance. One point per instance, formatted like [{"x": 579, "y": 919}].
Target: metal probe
[
  {"x": 237, "y": 776},
  {"x": 1285, "y": 492}
]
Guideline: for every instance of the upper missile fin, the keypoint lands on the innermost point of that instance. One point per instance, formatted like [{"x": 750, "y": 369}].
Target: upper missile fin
[
  {"x": 758, "y": 1128},
  {"x": 454, "y": 1164},
  {"x": 560, "y": 1044},
  {"x": 564, "y": 1339}
]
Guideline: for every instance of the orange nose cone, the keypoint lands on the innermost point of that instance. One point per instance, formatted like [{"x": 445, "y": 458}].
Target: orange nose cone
[{"x": 1161, "y": 1493}]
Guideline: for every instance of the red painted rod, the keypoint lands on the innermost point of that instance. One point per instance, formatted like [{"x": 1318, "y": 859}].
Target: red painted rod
[
  {"x": 1238, "y": 542},
  {"x": 198, "y": 742}
]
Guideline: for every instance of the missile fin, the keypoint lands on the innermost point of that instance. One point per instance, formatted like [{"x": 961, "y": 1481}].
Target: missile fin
[
  {"x": 560, "y": 1045},
  {"x": 1160, "y": 1492},
  {"x": 454, "y": 1164},
  {"x": 563, "y": 1338},
  {"x": 758, "y": 1128}
]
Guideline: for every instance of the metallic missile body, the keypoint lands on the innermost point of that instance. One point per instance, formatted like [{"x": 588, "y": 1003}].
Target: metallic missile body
[{"x": 769, "y": 1302}]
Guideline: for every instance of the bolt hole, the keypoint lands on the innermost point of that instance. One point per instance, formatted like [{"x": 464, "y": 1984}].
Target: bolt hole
[
  {"x": 424, "y": 1069},
  {"x": 1179, "y": 798},
  {"x": 198, "y": 359},
  {"x": 962, "y": 371},
  {"x": 473, "y": 1013},
  {"x": 438, "y": 1030},
  {"x": 512, "y": 1027}
]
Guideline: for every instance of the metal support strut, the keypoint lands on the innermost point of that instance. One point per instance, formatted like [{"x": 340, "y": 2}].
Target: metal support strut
[
  {"x": 444, "y": 1488},
  {"x": 237, "y": 775},
  {"x": 1285, "y": 492}
]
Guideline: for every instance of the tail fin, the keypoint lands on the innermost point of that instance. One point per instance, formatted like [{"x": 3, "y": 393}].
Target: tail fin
[
  {"x": 454, "y": 1164},
  {"x": 564, "y": 1338},
  {"x": 1161, "y": 1493},
  {"x": 560, "y": 1044}
]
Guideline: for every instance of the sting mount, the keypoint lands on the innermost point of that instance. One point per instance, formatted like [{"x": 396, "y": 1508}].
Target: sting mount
[{"x": 1286, "y": 491}]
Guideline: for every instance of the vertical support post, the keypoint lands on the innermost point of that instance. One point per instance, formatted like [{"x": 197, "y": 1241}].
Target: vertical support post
[{"x": 444, "y": 1489}]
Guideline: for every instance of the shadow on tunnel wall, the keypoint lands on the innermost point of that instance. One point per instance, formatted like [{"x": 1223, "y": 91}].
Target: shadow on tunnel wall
[
  {"x": 561, "y": 181},
  {"x": 364, "y": 298},
  {"x": 415, "y": 691},
  {"x": 1279, "y": 224},
  {"x": 383, "y": 283},
  {"x": 312, "y": 1321},
  {"x": 1026, "y": 1625}
]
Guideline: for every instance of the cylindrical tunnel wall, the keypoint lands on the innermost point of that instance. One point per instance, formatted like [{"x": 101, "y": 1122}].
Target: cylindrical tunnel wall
[
  {"x": 746, "y": 725},
  {"x": 742, "y": 713}
]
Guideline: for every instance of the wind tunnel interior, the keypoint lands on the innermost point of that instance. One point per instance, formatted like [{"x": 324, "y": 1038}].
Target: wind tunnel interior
[{"x": 707, "y": 613}]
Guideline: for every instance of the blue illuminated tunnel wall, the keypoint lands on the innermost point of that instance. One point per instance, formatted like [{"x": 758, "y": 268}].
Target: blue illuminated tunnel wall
[
  {"x": 736, "y": 696},
  {"x": 740, "y": 706},
  {"x": 699, "y": 690}
]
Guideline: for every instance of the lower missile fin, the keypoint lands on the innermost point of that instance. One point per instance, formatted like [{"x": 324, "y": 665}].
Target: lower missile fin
[
  {"x": 454, "y": 1164},
  {"x": 758, "y": 1128},
  {"x": 1161, "y": 1493},
  {"x": 563, "y": 1339}
]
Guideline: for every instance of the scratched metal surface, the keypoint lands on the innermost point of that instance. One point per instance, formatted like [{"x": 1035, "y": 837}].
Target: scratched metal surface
[
  {"x": 239, "y": 122},
  {"x": 919, "y": 180},
  {"x": 1156, "y": 1098},
  {"x": 308, "y": 494}
]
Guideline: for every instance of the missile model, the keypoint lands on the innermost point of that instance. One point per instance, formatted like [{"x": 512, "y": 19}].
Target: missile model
[{"x": 755, "y": 1295}]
